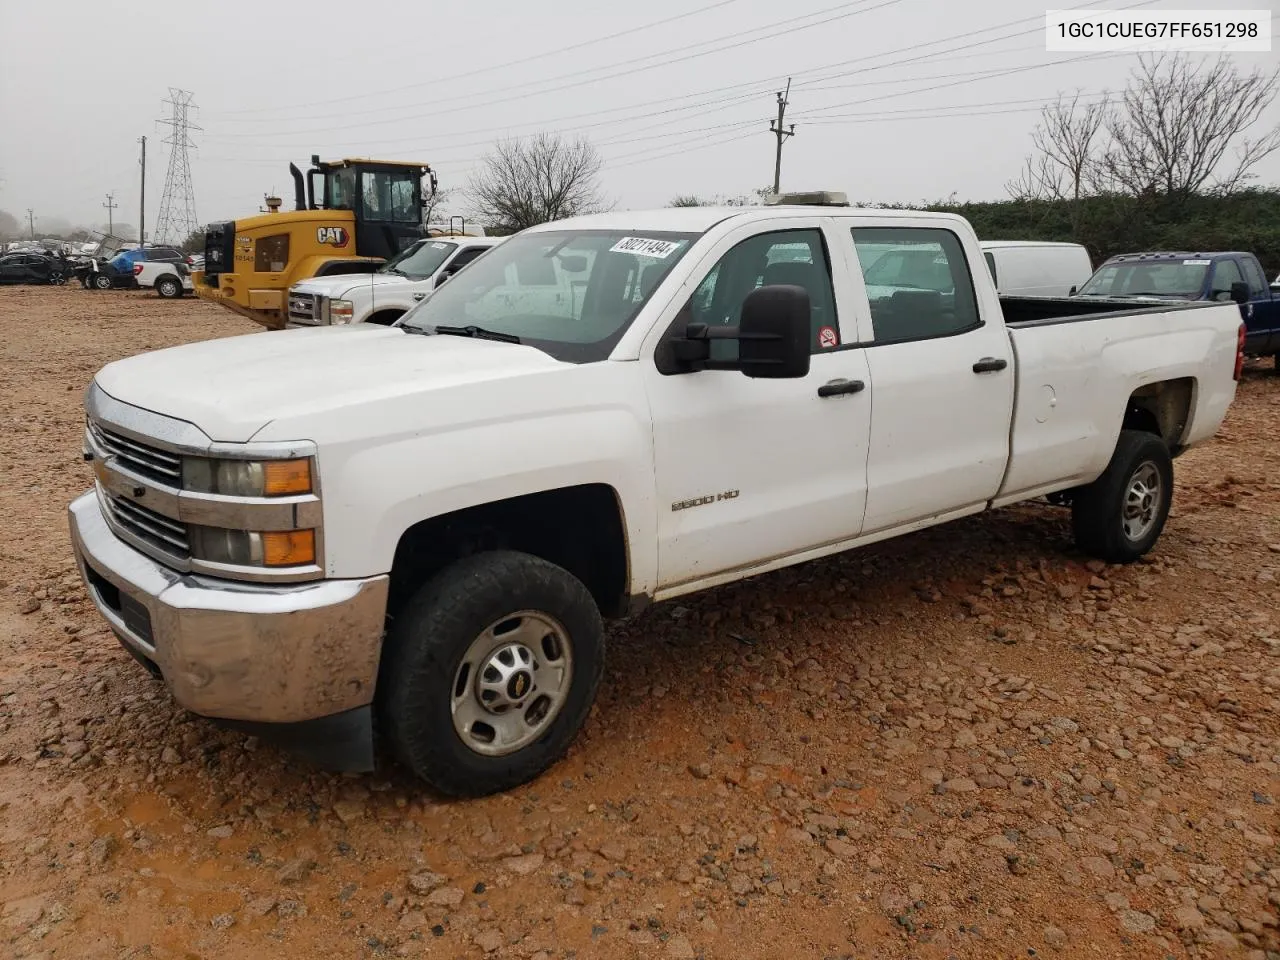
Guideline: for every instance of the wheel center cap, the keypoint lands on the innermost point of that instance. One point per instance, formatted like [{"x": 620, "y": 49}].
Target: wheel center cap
[{"x": 519, "y": 685}]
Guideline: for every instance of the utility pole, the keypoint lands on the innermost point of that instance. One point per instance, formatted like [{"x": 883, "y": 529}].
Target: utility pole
[
  {"x": 782, "y": 135},
  {"x": 111, "y": 205},
  {"x": 142, "y": 205},
  {"x": 31, "y": 222}
]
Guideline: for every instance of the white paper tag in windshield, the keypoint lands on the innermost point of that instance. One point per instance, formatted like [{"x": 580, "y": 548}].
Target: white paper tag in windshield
[
  {"x": 439, "y": 246},
  {"x": 644, "y": 247},
  {"x": 1196, "y": 263}
]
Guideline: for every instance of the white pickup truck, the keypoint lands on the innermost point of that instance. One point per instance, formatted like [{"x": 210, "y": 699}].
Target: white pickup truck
[
  {"x": 425, "y": 523},
  {"x": 384, "y": 295}
]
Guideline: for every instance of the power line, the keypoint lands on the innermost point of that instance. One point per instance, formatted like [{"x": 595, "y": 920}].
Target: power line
[
  {"x": 739, "y": 97},
  {"x": 177, "y": 219},
  {"x": 522, "y": 91},
  {"x": 489, "y": 69}
]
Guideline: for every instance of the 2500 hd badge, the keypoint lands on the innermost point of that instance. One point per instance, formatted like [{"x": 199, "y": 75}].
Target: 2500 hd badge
[{"x": 703, "y": 501}]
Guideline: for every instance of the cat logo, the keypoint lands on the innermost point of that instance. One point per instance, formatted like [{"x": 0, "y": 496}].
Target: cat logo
[{"x": 334, "y": 236}]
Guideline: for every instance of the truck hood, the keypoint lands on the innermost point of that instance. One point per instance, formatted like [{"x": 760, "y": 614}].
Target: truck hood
[
  {"x": 336, "y": 287},
  {"x": 234, "y": 387}
]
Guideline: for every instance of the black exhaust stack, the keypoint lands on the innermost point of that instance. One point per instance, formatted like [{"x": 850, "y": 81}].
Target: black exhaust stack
[{"x": 299, "y": 191}]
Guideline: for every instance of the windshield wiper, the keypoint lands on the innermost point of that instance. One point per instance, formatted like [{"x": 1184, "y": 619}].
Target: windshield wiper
[{"x": 479, "y": 333}]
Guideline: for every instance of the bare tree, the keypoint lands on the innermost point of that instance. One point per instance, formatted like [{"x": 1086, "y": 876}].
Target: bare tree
[
  {"x": 435, "y": 204},
  {"x": 529, "y": 181},
  {"x": 1176, "y": 125},
  {"x": 689, "y": 200},
  {"x": 1066, "y": 140}
]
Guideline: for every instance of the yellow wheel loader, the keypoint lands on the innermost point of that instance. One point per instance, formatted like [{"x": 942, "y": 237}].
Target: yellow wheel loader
[{"x": 350, "y": 216}]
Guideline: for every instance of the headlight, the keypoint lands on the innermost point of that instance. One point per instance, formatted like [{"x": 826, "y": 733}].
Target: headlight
[
  {"x": 244, "y": 548},
  {"x": 341, "y": 311},
  {"x": 247, "y": 478}
]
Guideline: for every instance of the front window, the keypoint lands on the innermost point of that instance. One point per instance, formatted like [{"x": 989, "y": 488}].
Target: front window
[
  {"x": 389, "y": 196},
  {"x": 419, "y": 261},
  {"x": 569, "y": 293},
  {"x": 1179, "y": 279}
]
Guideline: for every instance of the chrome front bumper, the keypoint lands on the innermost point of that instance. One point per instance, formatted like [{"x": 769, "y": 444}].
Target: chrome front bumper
[{"x": 279, "y": 653}]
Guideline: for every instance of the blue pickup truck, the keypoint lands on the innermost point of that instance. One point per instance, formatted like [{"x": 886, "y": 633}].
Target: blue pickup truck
[{"x": 1152, "y": 277}]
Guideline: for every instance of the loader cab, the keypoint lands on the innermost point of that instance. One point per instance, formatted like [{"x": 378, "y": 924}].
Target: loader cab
[{"x": 385, "y": 198}]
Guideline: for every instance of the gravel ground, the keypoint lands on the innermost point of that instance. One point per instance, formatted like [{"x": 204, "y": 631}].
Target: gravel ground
[{"x": 966, "y": 743}]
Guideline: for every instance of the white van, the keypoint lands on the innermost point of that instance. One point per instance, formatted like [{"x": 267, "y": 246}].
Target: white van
[{"x": 1030, "y": 268}]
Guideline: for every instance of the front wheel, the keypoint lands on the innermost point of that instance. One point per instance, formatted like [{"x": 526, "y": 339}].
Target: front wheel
[
  {"x": 101, "y": 281},
  {"x": 1119, "y": 517},
  {"x": 57, "y": 279},
  {"x": 489, "y": 672},
  {"x": 169, "y": 288}
]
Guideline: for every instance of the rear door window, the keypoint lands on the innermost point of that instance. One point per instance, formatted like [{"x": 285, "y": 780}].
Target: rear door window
[
  {"x": 1254, "y": 275},
  {"x": 1225, "y": 273},
  {"x": 920, "y": 286}
]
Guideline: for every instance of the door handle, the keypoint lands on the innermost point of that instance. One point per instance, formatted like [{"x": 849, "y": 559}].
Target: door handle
[
  {"x": 418, "y": 296},
  {"x": 990, "y": 365},
  {"x": 838, "y": 388}
]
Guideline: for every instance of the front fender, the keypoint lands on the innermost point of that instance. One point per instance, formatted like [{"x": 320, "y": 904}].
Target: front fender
[{"x": 385, "y": 468}]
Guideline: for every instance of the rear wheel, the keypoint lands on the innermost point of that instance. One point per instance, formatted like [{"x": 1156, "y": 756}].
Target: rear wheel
[
  {"x": 489, "y": 672},
  {"x": 169, "y": 287},
  {"x": 1119, "y": 517}
]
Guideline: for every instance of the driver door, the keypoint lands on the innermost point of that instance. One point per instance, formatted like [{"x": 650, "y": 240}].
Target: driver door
[{"x": 750, "y": 471}]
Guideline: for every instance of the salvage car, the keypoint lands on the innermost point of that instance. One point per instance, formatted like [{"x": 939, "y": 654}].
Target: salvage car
[
  {"x": 33, "y": 268},
  {"x": 416, "y": 530}
]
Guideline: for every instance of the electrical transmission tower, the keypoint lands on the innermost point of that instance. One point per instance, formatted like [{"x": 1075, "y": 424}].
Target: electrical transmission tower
[{"x": 177, "y": 219}]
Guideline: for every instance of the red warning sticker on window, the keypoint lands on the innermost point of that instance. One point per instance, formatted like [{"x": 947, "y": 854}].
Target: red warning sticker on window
[{"x": 828, "y": 338}]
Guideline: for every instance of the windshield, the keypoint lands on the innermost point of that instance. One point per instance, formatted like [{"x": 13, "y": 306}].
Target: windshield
[
  {"x": 390, "y": 196},
  {"x": 570, "y": 293},
  {"x": 1181, "y": 279},
  {"x": 419, "y": 261}
]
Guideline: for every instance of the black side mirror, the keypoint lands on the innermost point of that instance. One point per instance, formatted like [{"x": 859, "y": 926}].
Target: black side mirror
[
  {"x": 1240, "y": 292},
  {"x": 442, "y": 278},
  {"x": 1072, "y": 291},
  {"x": 773, "y": 337}
]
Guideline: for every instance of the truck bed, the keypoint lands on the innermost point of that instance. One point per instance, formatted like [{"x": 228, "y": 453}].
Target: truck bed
[
  {"x": 1075, "y": 381},
  {"x": 1021, "y": 312}
]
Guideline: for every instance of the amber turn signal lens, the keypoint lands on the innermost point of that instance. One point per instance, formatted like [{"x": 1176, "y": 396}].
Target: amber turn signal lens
[
  {"x": 289, "y": 548},
  {"x": 280, "y": 477}
]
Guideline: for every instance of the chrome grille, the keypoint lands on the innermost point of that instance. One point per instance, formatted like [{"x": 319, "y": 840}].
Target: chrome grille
[
  {"x": 303, "y": 308},
  {"x": 148, "y": 461},
  {"x": 154, "y": 529}
]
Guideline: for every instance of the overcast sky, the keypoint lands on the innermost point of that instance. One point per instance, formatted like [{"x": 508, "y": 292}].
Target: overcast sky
[{"x": 893, "y": 100}]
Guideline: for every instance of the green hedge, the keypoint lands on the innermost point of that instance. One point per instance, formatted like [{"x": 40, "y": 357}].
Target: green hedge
[{"x": 1248, "y": 221}]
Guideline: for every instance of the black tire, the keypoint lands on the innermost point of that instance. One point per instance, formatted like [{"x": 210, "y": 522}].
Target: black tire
[
  {"x": 425, "y": 649},
  {"x": 57, "y": 279},
  {"x": 170, "y": 288},
  {"x": 101, "y": 281},
  {"x": 1099, "y": 519}
]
